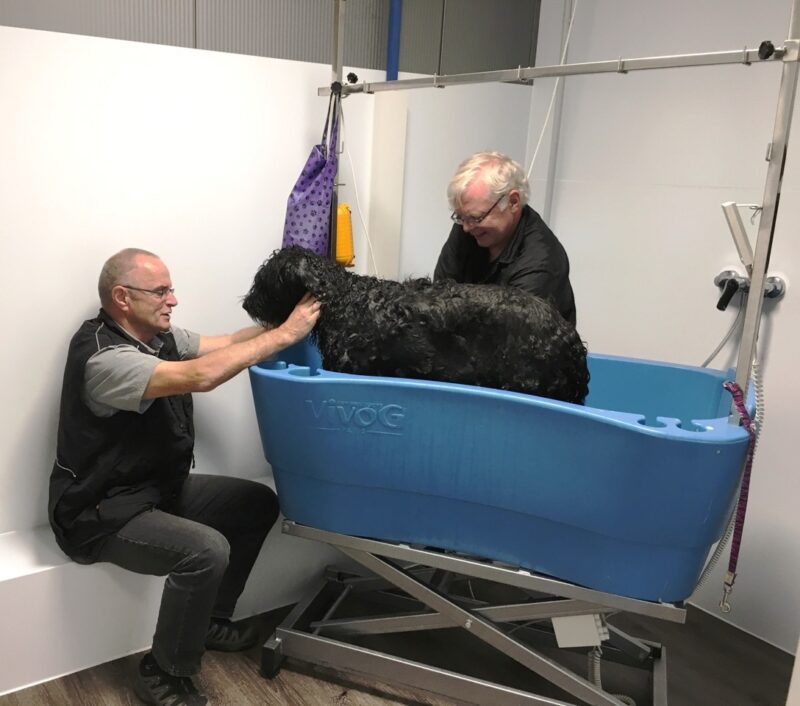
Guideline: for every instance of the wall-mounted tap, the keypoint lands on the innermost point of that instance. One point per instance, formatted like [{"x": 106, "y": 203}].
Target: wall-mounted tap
[{"x": 730, "y": 282}]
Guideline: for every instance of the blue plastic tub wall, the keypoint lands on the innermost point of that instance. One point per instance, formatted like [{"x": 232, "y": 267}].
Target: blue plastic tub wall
[{"x": 626, "y": 494}]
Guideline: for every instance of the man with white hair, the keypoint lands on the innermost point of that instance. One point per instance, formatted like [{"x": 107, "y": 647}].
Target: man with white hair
[{"x": 497, "y": 238}]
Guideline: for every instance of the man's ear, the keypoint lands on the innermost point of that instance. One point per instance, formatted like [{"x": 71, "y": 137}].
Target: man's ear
[
  {"x": 514, "y": 200},
  {"x": 119, "y": 297}
]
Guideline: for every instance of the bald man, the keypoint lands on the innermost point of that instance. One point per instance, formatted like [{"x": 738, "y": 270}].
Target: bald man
[{"x": 120, "y": 489}]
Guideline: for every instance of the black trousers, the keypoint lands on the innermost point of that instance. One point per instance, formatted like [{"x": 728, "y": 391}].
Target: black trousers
[{"x": 205, "y": 543}]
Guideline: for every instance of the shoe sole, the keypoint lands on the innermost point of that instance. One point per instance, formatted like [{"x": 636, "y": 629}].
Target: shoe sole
[{"x": 232, "y": 648}]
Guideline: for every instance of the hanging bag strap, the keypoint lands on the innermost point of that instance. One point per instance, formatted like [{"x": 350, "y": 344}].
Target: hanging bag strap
[
  {"x": 324, "y": 139},
  {"x": 744, "y": 491},
  {"x": 334, "y": 127},
  {"x": 329, "y": 138}
]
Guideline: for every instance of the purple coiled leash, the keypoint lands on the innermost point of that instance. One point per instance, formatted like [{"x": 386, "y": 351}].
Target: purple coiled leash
[{"x": 741, "y": 509}]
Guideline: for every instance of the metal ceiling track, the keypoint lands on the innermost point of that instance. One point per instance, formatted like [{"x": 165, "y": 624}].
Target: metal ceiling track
[{"x": 621, "y": 65}]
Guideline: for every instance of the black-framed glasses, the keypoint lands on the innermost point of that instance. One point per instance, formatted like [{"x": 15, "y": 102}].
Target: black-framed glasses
[
  {"x": 474, "y": 220},
  {"x": 160, "y": 292}
]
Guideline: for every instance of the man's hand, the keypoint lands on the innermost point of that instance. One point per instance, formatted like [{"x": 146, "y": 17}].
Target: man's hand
[{"x": 302, "y": 319}]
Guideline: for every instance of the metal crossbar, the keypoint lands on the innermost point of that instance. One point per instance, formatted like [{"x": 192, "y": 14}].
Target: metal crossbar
[{"x": 611, "y": 66}]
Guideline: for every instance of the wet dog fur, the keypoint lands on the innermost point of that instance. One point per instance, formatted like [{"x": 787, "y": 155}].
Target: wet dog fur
[{"x": 487, "y": 335}]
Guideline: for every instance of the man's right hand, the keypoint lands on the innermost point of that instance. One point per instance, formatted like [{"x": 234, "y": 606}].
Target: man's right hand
[{"x": 302, "y": 319}]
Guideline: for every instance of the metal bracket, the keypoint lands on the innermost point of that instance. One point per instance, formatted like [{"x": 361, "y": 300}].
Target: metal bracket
[
  {"x": 791, "y": 50},
  {"x": 739, "y": 234}
]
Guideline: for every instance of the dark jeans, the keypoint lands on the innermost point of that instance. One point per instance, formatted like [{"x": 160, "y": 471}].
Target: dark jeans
[{"x": 206, "y": 543}]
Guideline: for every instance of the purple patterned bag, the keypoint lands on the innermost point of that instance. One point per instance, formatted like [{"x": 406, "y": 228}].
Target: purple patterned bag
[{"x": 308, "y": 210}]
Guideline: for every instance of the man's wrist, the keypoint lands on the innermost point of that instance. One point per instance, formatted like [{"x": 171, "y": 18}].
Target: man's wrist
[{"x": 281, "y": 337}]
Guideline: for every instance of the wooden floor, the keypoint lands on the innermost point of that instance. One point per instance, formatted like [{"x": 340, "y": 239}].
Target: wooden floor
[
  {"x": 228, "y": 679},
  {"x": 709, "y": 664}
]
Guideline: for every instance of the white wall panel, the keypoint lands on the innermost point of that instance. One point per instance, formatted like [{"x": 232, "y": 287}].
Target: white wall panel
[
  {"x": 110, "y": 144},
  {"x": 445, "y": 126}
]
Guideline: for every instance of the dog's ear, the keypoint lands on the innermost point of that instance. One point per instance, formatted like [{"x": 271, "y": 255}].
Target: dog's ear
[{"x": 308, "y": 272}]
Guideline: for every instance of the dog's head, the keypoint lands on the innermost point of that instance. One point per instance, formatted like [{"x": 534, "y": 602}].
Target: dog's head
[{"x": 282, "y": 281}]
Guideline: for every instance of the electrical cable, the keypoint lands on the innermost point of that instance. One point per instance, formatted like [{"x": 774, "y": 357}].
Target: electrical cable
[
  {"x": 594, "y": 657},
  {"x": 358, "y": 201},
  {"x": 727, "y": 336},
  {"x": 555, "y": 91}
]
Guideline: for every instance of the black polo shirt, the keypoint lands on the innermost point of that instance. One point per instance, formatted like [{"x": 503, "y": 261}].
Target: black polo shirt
[{"x": 533, "y": 260}]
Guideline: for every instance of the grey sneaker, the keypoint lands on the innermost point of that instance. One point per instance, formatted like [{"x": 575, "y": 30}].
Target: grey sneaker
[{"x": 156, "y": 687}]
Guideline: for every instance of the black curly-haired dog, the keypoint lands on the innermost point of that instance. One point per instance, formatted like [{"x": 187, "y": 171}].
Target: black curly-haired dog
[{"x": 499, "y": 337}]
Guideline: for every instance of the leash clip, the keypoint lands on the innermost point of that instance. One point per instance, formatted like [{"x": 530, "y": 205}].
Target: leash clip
[{"x": 724, "y": 605}]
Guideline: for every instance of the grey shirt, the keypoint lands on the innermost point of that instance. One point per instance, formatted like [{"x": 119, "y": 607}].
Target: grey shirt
[{"x": 117, "y": 376}]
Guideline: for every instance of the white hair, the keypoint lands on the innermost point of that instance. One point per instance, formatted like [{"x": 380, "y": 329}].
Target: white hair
[{"x": 498, "y": 171}]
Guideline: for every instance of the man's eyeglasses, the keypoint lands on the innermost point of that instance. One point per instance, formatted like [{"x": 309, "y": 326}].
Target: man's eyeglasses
[
  {"x": 473, "y": 220},
  {"x": 160, "y": 292}
]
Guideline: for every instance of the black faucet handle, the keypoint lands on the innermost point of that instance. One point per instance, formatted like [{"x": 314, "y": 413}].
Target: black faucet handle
[{"x": 729, "y": 288}]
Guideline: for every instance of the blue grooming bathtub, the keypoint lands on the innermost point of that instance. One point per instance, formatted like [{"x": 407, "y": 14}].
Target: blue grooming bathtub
[{"x": 626, "y": 494}]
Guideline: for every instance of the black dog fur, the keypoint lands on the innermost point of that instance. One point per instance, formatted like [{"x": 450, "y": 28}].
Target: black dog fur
[{"x": 500, "y": 337}]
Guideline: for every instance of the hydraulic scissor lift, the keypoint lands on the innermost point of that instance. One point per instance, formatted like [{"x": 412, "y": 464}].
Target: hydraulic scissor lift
[{"x": 426, "y": 589}]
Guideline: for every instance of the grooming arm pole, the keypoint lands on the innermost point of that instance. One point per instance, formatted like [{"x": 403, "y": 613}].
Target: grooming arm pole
[
  {"x": 337, "y": 65},
  {"x": 776, "y": 155}
]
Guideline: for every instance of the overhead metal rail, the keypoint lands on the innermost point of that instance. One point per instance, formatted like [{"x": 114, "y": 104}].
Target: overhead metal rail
[{"x": 789, "y": 52}]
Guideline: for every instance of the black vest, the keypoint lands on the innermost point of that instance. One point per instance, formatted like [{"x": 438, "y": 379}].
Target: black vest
[{"x": 110, "y": 469}]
